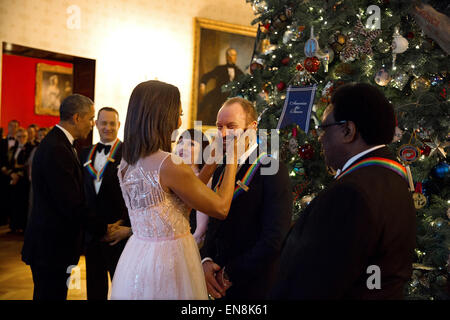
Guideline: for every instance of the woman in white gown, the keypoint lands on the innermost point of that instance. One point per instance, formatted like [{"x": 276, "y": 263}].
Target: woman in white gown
[{"x": 161, "y": 259}]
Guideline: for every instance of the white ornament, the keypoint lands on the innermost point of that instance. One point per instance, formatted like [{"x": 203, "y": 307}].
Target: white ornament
[
  {"x": 374, "y": 21},
  {"x": 399, "y": 43}
]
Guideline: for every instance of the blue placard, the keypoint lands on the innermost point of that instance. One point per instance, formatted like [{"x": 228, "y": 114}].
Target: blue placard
[{"x": 297, "y": 107}]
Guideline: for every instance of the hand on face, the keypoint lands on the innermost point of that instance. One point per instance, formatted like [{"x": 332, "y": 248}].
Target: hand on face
[{"x": 232, "y": 123}]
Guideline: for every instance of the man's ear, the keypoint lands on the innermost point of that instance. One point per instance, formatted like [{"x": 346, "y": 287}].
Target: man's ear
[
  {"x": 75, "y": 118},
  {"x": 350, "y": 132}
]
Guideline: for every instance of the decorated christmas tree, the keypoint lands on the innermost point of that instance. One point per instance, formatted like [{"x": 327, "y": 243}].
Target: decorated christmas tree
[{"x": 402, "y": 47}]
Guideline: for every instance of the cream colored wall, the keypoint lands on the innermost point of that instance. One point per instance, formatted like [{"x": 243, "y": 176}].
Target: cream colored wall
[{"x": 131, "y": 40}]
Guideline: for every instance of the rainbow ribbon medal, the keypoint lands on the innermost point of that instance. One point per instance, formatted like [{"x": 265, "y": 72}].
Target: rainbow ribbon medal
[
  {"x": 381, "y": 162},
  {"x": 90, "y": 163},
  {"x": 243, "y": 185}
]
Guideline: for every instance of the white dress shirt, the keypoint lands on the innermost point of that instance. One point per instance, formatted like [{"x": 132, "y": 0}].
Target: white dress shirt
[
  {"x": 356, "y": 157},
  {"x": 67, "y": 133},
  {"x": 100, "y": 161},
  {"x": 11, "y": 143}
]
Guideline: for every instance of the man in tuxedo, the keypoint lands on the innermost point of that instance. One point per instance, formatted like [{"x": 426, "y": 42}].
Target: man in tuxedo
[
  {"x": 104, "y": 198},
  {"x": 355, "y": 240},
  {"x": 54, "y": 235},
  {"x": 210, "y": 102},
  {"x": 6, "y": 156},
  {"x": 241, "y": 253},
  {"x": 19, "y": 184}
]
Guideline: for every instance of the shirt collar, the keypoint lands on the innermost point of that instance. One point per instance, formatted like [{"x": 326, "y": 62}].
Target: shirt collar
[
  {"x": 247, "y": 153},
  {"x": 67, "y": 133},
  {"x": 109, "y": 143},
  {"x": 356, "y": 157}
]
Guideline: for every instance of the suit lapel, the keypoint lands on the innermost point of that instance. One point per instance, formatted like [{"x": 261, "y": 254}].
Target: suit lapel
[{"x": 110, "y": 170}]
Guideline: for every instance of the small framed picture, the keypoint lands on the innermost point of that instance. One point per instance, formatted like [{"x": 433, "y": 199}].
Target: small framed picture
[
  {"x": 222, "y": 52},
  {"x": 53, "y": 84}
]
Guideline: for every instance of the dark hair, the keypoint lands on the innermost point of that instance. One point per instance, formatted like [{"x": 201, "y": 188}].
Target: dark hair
[
  {"x": 152, "y": 117},
  {"x": 247, "y": 106},
  {"x": 368, "y": 108},
  {"x": 15, "y": 121},
  {"x": 200, "y": 137},
  {"x": 33, "y": 125},
  {"x": 73, "y": 104},
  {"x": 107, "y": 109}
]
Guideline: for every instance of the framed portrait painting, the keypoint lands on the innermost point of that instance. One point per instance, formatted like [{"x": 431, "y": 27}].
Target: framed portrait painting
[
  {"x": 222, "y": 52},
  {"x": 53, "y": 84}
]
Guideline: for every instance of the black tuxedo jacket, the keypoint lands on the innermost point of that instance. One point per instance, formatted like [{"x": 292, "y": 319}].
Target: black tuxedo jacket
[
  {"x": 55, "y": 230},
  {"x": 108, "y": 205},
  {"x": 5, "y": 155},
  {"x": 248, "y": 242},
  {"x": 365, "y": 218},
  {"x": 18, "y": 165}
]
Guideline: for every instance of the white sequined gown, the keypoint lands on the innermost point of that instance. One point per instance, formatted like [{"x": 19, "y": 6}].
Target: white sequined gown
[{"x": 161, "y": 259}]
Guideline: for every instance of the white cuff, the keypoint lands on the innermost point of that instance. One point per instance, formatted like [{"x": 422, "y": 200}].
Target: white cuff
[{"x": 207, "y": 259}]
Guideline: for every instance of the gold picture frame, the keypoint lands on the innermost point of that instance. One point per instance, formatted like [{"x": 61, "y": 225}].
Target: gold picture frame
[
  {"x": 212, "y": 39},
  {"x": 53, "y": 84}
]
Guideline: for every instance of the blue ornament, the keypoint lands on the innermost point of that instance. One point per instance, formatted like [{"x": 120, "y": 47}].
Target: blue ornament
[
  {"x": 441, "y": 170},
  {"x": 311, "y": 46},
  {"x": 435, "y": 80}
]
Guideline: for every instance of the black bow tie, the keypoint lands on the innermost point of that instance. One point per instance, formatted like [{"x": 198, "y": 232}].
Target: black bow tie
[
  {"x": 11, "y": 138},
  {"x": 101, "y": 147}
]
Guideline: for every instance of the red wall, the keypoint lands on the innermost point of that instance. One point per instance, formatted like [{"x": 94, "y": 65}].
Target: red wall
[{"x": 18, "y": 87}]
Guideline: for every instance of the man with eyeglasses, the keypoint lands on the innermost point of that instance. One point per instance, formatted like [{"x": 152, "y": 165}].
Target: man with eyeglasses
[{"x": 356, "y": 238}]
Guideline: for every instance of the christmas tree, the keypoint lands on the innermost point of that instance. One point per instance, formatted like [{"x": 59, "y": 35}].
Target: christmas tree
[{"x": 402, "y": 47}]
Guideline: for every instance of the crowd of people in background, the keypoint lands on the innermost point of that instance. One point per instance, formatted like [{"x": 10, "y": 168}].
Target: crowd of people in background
[{"x": 17, "y": 148}]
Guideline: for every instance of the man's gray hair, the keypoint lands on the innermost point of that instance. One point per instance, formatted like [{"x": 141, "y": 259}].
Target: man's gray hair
[{"x": 73, "y": 104}]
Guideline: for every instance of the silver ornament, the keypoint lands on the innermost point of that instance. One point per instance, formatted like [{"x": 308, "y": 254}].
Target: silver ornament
[{"x": 399, "y": 81}]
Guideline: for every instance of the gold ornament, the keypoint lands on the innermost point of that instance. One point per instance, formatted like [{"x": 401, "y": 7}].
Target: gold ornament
[
  {"x": 420, "y": 84},
  {"x": 420, "y": 200}
]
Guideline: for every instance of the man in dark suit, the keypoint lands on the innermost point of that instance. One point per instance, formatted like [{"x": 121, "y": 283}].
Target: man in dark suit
[
  {"x": 6, "y": 155},
  {"x": 19, "y": 184},
  {"x": 241, "y": 253},
  {"x": 54, "y": 235},
  {"x": 104, "y": 198},
  {"x": 210, "y": 103},
  {"x": 355, "y": 240}
]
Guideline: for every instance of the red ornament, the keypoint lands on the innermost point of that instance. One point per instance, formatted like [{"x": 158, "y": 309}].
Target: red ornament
[
  {"x": 306, "y": 152},
  {"x": 425, "y": 150},
  {"x": 410, "y": 35},
  {"x": 299, "y": 67},
  {"x": 281, "y": 86},
  {"x": 312, "y": 64},
  {"x": 267, "y": 26},
  {"x": 285, "y": 61}
]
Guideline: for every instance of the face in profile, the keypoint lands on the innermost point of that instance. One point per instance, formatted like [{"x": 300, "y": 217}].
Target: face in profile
[
  {"x": 86, "y": 122},
  {"x": 40, "y": 135},
  {"x": 328, "y": 139},
  {"x": 107, "y": 125}
]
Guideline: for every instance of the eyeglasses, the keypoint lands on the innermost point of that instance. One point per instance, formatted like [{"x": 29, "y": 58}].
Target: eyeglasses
[{"x": 321, "y": 127}]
